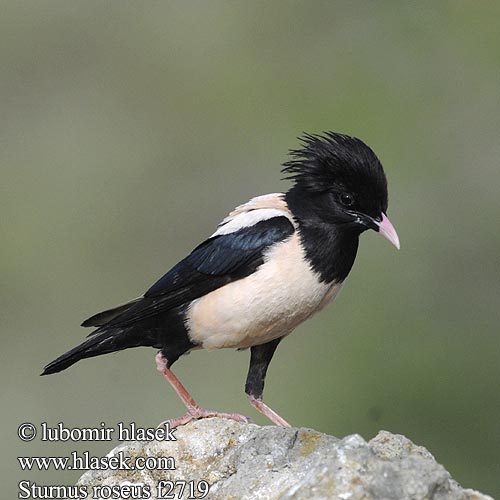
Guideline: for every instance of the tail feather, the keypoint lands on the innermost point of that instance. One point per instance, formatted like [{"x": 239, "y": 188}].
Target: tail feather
[
  {"x": 104, "y": 317},
  {"x": 102, "y": 343}
]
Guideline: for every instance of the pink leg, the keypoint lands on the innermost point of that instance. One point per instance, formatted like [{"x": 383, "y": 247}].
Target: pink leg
[
  {"x": 193, "y": 410},
  {"x": 259, "y": 405}
]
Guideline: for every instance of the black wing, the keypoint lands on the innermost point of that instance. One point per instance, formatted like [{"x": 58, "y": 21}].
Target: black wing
[{"x": 217, "y": 261}]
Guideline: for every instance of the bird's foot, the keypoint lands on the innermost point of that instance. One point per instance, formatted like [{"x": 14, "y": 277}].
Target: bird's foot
[{"x": 196, "y": 413}]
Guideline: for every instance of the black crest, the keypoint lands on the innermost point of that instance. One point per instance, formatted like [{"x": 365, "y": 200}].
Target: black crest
[{"x": 334, "y": 161}]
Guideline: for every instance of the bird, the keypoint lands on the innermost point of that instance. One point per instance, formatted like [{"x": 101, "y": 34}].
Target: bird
[{"x": 271, "y": 264}]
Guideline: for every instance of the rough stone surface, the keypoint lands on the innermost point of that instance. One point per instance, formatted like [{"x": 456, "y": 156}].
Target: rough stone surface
[{"x": 245, "y": 461}]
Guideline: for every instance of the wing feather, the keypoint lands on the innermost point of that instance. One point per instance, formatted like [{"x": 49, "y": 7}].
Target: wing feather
[{"x": 219, "y": 260}]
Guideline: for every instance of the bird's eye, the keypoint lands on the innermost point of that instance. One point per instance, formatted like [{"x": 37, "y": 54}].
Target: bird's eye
[{"x": 346, "y": 199}]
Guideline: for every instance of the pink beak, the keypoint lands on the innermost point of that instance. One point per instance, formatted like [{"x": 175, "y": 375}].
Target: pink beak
[{"x": 386, "y": 229}]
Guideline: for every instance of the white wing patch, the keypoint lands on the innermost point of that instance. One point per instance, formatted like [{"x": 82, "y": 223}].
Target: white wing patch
[
  {"x": 257, "y": 209},
  {"x": 247, "y": 219}
]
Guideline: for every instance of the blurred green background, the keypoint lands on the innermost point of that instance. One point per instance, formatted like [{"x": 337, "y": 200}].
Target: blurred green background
[{"x": 129, "y": 129}]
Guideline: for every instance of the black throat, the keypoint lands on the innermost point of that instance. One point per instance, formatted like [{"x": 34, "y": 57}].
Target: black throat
[{"x": 330, "y": 248}]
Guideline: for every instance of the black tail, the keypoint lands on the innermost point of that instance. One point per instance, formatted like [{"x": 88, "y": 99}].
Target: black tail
[{"x": 102, "y": 343}]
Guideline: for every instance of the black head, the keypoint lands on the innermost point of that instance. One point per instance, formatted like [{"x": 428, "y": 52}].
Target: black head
[{"x": 339, "y": 180}]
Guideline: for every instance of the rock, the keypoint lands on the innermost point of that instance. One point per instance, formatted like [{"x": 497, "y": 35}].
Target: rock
[{"x": 245, "y": 461}]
